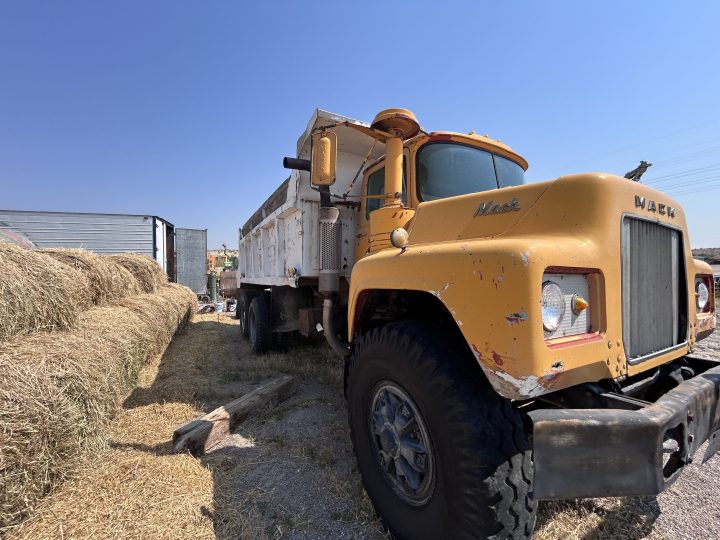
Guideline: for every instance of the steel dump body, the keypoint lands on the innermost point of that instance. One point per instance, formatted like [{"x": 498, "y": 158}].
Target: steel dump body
[{"x": 279, "y": 245}]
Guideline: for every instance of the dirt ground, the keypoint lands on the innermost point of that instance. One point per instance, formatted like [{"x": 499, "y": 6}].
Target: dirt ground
[{"x": 289, "y": 472}]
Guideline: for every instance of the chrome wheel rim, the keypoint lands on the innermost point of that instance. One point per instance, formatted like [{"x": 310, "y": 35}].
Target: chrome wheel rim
[{"x": 402, "y": 444}]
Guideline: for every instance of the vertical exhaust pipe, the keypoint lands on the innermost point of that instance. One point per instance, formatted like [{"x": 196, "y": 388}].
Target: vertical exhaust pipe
[
  {"x": 401, "y": 124},
  {"x": 330, "y": 234},
  {"x": 329, "y": 282}
]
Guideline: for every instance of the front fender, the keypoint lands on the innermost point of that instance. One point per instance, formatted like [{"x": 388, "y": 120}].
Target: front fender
[{"x": 492, "y": 291}]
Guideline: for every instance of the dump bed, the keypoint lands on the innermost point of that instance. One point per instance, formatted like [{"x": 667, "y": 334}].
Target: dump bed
[{"x": 278, "y": 245}]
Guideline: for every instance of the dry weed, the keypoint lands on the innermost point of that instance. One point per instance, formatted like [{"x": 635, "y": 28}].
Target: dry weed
[
  {"x": 140, "y": 491},
  {"x": 60, "y": 389},
  {"x": 588, "y": 519}
]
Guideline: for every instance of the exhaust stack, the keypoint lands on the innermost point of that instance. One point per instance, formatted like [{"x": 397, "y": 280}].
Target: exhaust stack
[
  {"x": 330, "y": 233},
  {"x": 392, "y": 126}
]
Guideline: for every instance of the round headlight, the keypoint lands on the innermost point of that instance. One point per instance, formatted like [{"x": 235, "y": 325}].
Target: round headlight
[
  {"x": 553, "y": 305},
  {"x": 703, "y": 295}
]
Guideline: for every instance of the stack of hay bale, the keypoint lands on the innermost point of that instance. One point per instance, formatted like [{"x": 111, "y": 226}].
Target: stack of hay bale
[{"x": 75, "y": 329}]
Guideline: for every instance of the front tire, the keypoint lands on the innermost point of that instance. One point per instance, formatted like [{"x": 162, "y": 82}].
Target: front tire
[{"x": 464, "y": 467}]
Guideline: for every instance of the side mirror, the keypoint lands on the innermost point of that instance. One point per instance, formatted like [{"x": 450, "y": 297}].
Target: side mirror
[{"x": 324, "y": 158}]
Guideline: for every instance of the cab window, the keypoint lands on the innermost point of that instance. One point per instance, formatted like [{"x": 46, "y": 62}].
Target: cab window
[
  {"x": 509, "y": 173},
  {"x": 451, "y": 169},
  {"x": 376, "y": 186}
]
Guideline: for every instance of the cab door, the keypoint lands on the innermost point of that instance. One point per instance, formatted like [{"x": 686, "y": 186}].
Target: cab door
[
  {"x": 372, "y": 191},
  {"x": 373, "y": 197}
]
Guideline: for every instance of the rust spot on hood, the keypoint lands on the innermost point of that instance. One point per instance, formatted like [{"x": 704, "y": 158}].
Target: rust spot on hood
[
  {"x": 497, "y": 359},
  {"x": 515, "y": 318}
]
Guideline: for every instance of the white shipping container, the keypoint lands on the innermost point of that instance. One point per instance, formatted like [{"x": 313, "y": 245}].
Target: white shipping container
[
  {"x": 191, "y": 255},
  {"x": 102, "y": 233}
]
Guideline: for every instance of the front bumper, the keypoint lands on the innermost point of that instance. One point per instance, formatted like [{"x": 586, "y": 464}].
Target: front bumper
[{"x": 614, "y": 452}]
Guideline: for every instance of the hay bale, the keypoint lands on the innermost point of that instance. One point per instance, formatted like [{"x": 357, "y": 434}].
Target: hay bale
[
  {"x": 167, "y": 311},
  {"x": 39, "y": 434},
  {"x": 147, "y": 271},
  {"x": 184, "y": 301},
  {"x": 138, "y": 490},
  {"x": 59, "y": 391},
  {"x": 108, "y": 279},
  {"x": 38, "y": 292}
]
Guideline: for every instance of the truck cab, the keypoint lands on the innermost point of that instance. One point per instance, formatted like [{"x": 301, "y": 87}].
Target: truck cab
[
  {"x": 475, "y": 164},
  {"x": 503, "y": 342}
]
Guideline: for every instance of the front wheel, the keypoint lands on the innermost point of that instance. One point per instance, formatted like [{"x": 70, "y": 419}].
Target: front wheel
[{"x": 440, "y": 453}]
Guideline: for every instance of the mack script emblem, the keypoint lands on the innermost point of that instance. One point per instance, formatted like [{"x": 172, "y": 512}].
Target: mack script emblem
[
  {"x": 487, "y": 208},
  {"x": 652, "y": 206}
]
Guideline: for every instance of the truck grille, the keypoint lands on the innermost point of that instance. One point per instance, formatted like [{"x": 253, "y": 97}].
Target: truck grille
[{"x": 653, "y": 300}]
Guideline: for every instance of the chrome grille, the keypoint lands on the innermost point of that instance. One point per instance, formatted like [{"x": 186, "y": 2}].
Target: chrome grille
[{"x": 652, "y": 307}]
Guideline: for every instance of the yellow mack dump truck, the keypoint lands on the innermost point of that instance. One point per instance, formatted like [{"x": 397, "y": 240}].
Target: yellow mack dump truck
[{"x": 503, "y": 342}]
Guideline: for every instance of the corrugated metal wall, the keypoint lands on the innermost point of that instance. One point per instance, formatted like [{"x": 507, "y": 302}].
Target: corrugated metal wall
[
  {"x": 101, "y": 233},
  {"x": 191, "y": 252}
]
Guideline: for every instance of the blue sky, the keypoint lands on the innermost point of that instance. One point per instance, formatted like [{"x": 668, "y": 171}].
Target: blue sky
[{"x": 185, "y": 109}]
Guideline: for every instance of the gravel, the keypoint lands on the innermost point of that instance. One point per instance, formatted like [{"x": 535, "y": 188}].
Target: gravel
[
  {"x": 298, "y": 478},
  {"x": 690, "y": 508}
]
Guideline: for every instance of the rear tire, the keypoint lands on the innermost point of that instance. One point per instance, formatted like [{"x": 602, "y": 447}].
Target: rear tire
[
  {"x": 259, "y": 328},
  {"x": 284, "y": 340},
  {"x": 243, "y": 304},
  {"x": 440, "y": 453}
]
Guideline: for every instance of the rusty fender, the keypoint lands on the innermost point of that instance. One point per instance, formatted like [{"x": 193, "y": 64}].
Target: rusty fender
[{"x": 614, "y": 452}]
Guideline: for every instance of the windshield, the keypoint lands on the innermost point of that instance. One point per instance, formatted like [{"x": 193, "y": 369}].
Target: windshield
[{"x": 449, "y": 169}]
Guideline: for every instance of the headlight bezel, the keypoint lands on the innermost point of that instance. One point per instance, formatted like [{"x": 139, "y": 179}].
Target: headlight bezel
[
  {"x": 551, "y": 325},
  {"x": 701, "y": 290}
]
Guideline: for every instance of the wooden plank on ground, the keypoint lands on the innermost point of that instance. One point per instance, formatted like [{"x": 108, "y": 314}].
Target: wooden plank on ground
[{"x": 200, "y": 435}]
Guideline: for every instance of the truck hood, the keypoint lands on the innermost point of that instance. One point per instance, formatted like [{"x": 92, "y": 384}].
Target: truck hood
[
  {"x": 572, "y": 204},
  {"x": 477, "y": 215},
  {"x": 484, "y": 257}
]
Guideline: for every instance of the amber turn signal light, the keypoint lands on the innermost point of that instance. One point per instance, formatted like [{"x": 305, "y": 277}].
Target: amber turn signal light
[{"x": 579, "y": 304}]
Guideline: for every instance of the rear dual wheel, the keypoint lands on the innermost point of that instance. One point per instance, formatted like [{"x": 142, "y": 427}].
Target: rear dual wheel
[
  {"x": 440, "y": 453},
  {"x": 243, "y": 305},
  {"x": 253, "y": 313},
  {"x": 258, "y": 325},
  {"x": 284, "y": 341}
]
